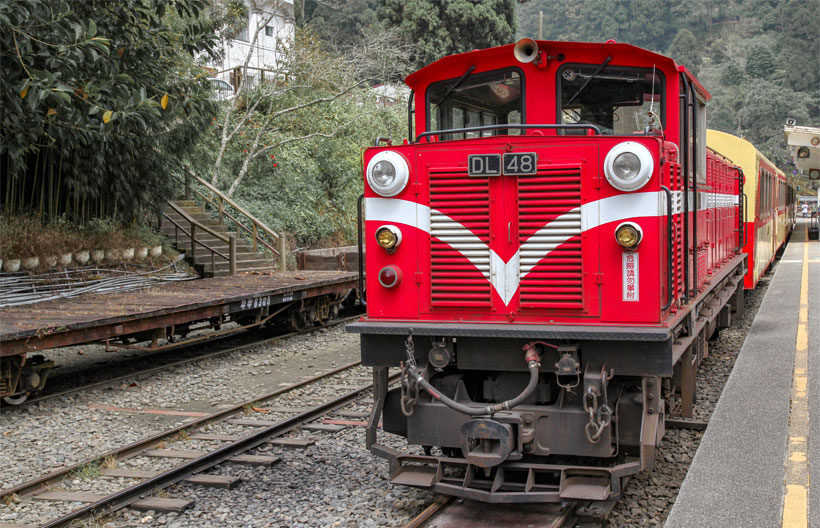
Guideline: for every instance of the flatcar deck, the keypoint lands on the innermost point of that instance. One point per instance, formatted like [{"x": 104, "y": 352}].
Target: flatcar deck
[{"x": 89, "y": 318}]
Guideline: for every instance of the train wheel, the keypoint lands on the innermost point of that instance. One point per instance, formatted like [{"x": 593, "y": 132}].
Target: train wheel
[
  {"x": 297, "y": 320},
  {"x": 17, "y": 399}
]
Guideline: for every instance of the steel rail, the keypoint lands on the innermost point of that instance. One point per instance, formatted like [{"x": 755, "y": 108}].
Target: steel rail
[
  {"x": 439, "y": 504},
  {"x": 146, "y": 487},
  {"x": 179, "y": 348},
  {"x": 438, "y": 510},
  {"x": 38, "y": 484}
]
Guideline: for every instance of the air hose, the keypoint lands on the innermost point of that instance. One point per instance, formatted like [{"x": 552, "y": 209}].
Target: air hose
[{"x": 532, "y": 359}]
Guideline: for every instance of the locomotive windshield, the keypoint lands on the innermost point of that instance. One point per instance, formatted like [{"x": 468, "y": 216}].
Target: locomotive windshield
[
  {"x": 480, "y": 99},
  {"x": 619, "y": 100}
]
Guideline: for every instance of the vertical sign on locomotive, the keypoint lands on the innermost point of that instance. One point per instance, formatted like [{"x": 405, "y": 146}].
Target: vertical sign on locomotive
[{"x": 630, "y": 276}]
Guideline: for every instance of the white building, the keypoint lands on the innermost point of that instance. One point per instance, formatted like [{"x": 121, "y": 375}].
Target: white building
[{"x": 273, "y": 19}]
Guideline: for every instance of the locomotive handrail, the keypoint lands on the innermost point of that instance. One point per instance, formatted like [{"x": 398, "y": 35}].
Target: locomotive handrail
[
  {"x": 569, "y": 126},
  {"x": 743, "y": 220},
  {"x": 742, "y": 204},
  {"x": 668, "y": 248},
  {"x": 410, "y": 112},
  {"x": 361, "y": 252}
]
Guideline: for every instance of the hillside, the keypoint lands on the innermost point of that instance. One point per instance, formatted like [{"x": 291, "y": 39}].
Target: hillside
[{"x": 760, "y": 59}]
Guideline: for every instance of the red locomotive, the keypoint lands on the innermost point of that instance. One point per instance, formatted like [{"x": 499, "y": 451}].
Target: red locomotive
[{"x": 547, "y": 259}]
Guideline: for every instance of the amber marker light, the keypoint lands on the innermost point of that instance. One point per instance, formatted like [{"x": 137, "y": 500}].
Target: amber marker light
[
  {"x": 388, "y": 237},
  {"x": 628, "y": 235}
]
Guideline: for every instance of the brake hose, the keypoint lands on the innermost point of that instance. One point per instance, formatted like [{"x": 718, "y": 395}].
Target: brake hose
[{"x": 532, "y": 359}]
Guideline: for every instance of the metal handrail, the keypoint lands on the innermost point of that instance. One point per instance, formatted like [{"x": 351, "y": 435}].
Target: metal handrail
[
  {"x": 505, "y": 126},
  {"x": 231, "y": 240},
  {"x": 669, "y": 214},
  {"x": 198, "y": 224},
  {"x": 256, "y": 225},
  {"x": 239, "y": 224}
]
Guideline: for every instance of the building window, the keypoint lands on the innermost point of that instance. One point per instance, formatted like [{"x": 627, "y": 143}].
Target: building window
[
  {"x": 243, "y": 33},
  {"x": 268, "y": 31}
]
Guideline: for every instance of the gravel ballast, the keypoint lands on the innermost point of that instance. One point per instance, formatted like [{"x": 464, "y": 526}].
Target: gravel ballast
[{"x": 335, "y": 482}]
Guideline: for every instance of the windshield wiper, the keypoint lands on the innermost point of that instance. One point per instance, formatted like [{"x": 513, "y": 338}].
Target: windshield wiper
[
  {"x": 589, "y": 80},
  {"x": 456, "y": 85}
]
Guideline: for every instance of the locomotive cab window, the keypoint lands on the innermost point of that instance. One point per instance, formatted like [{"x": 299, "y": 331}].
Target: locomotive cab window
[
  {"x": 477, "y": 100},
  {"x": 619, "y": 100}
]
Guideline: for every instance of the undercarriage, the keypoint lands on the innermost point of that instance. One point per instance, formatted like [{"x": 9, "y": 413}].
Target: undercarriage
[{"x": 517, "y": 413}]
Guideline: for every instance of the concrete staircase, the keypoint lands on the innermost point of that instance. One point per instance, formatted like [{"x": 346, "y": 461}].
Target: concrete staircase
[{"x": 246, "y": 258}]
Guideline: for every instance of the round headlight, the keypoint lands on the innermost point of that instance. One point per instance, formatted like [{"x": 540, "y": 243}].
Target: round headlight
[
  {"x": 628, "y": 166},
  {"x": 384, "y": 173},
  {"x": 388, "y": 173},
  {"x": 628, "y": 235}
]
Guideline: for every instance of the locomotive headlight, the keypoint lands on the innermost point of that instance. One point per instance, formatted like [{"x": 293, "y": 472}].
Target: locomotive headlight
[
  {"x": 388, "y": 237},
  {"x": 384, "y": 173},
  {"x": 388, "y": 173},
  {"x": 628, "y": 166},
  {"x": 628, "y": 235}
]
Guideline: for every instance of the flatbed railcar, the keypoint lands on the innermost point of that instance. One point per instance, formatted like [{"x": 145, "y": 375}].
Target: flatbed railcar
[
  {"x": 549, "y": 255},
  {"x": 277, "y": 300}
]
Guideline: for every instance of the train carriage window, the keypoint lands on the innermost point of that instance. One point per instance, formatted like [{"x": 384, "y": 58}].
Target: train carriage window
[
  {"x": 480, "y": 99},
  {"x": 618, "y": 99}
]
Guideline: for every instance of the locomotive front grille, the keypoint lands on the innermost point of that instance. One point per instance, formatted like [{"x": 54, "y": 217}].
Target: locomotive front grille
[
  {"x": 549, "y": 224},
  {"x": 459, "y": 240}
]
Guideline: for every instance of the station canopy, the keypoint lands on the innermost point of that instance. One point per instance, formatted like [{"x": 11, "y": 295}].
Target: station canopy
[{"x": 804, "y": 147}]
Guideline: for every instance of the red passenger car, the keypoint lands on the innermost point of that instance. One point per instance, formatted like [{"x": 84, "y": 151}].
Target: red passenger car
[{"x": 547, "y": 256}]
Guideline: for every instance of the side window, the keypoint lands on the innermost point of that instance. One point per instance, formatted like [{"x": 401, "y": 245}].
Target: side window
[{"x": 481, "y": 99}]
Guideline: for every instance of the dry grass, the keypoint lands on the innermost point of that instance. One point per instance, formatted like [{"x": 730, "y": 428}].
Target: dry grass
[
  {"x": 110, "y": 462},
  {"x": 26, "y": 236}
]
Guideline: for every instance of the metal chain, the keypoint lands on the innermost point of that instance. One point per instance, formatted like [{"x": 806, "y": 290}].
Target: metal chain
[
  {"x": 410, "y": 349},
  {"x": 600, "y": 417},
  {"x": 409, "y": 386}
]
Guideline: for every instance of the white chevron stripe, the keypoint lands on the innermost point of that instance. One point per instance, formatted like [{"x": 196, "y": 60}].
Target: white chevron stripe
[{"x": 504, "y": 275}]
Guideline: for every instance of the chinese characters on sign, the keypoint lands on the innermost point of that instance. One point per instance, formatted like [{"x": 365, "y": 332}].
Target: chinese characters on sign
[{"x": 630, "y": 276}]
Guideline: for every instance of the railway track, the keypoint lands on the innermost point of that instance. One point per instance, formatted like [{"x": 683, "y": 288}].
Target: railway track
[
  {"x": 450, "y": 512},
  {"x": 213, "y": 348},
  {"x": 222, "y": 448}
]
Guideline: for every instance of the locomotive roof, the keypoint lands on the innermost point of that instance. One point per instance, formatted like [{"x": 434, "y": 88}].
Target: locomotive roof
[{"x": 622, "y": 54}]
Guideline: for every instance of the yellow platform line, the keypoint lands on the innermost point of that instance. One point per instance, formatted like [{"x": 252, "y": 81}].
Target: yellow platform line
[{"x": 796, "y": 476}]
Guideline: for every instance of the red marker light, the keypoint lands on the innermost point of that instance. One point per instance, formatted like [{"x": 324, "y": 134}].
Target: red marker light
[{"x": 389, "y": 276}]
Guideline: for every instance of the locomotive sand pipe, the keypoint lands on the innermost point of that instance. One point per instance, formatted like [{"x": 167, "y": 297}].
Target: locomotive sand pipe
[{"x": 533, "y": 364}]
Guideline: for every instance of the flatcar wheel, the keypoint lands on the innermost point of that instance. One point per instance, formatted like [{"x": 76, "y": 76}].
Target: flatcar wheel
[
  {"x": 16, "y": 399},
  {"x": 297, "y": 320}
]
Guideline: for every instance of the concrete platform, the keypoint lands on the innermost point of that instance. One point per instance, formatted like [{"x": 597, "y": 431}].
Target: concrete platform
[{"x": 737, "y": 478}]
